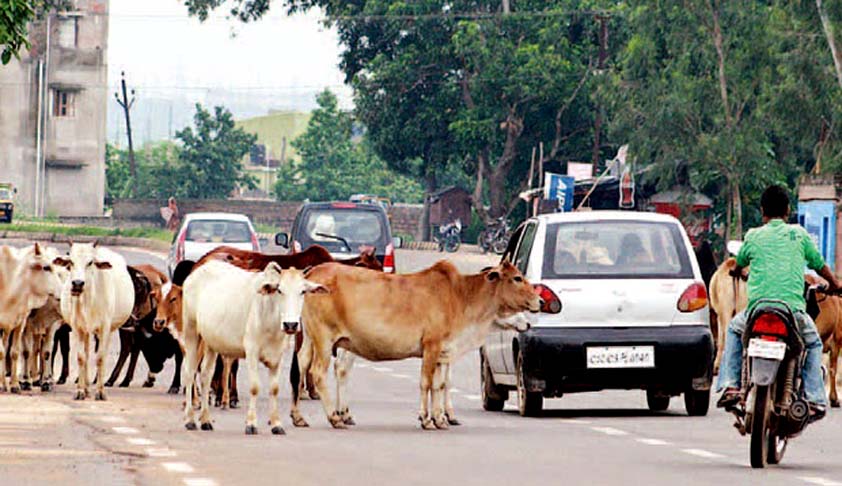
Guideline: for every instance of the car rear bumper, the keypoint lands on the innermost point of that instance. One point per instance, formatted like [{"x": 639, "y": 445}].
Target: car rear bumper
[{"x": 554, "y": 359}]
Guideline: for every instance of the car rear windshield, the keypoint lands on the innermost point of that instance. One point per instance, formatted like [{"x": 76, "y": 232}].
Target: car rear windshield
[
  {"x": 5, "y": 194},
  {"x": 218, "y": 231},
  {"x": 615, "y": 249},
  {"x": 357, "y": 227}
]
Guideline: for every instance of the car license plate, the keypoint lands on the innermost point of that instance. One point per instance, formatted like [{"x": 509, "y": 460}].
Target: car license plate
[
  {"x": 758, "y": 348},
  {"x": 621, "y": 357}
]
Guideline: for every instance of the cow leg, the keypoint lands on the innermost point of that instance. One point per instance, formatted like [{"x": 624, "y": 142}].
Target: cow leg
[
  {"x": 28, "y": 346},
  {"x": 47, "y": 356},
  {"x": 175, "y": 387},
  {"x": 14, "y": 354},
  {"x": 341, "y": 369},
  {"x": 234, "y": 401},
  {"x": 301, "y": 361},
  {"x": 136, "y": 343},
  {"x": 83, "y": 346},
  {"x": 101, "y": 355},
  {"x": 216, "y": 383},
  {"x": 254, "y": 388},
  {"x": 274, "y": 390},
  {"x": 722, "y": 327},
  {"x": 449, "y": 412},
  {"x": 834, "y": 363},
  {"x": 439, "y": 386},
  {"x": 226, "y": 383},
  {"x": 191, "y": 366},
  {"x": 3, "y": 361},
  {"x": 319, "y": 366},
  {"x": 429, "y": 360},
  {"x": 206, "y": 375},
  {"x": 125, "y": 349},
  {"x": 62, "y": 340}
]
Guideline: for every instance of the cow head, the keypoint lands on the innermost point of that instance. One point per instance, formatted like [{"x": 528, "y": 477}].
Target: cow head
[
  {"x": 38, "y": 272},
  {"x": 286, "y": 290},
  {"x": 169, "y": 308},
  {"x": 368, "y": 259},
  {"x": 511, "y": 290},
  {"x": 82, "y": 263}
]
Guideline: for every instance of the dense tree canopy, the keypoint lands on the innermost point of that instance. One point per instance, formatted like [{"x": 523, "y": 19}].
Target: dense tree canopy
[{"x": 15, "y": 16}]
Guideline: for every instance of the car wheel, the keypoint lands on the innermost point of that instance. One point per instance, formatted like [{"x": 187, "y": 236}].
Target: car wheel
[
  {"x": 697, "y": 402},
  {"x": 657, "y": 402},
  {"x": 529, "y": 404},
  {"x": 493, "y": 396}
]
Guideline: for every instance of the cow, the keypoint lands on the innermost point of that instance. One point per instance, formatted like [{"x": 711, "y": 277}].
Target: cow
[
  {"x": 829, "y": 325},
  {"x": 728, "y": 296},
  {"x": 27, "y": 281},
  {"x": 238, "y": 313},
  {"x": 95, "y": 301},
  {"x": 436, "y": 315},
  {"x": 138, "y": 334}
]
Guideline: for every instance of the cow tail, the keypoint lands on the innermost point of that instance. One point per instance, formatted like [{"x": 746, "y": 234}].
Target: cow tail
[{"x": 735, "y": 283}]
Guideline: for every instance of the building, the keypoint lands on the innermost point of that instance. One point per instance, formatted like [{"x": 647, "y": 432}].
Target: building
[{"x": 53, "y": 115}]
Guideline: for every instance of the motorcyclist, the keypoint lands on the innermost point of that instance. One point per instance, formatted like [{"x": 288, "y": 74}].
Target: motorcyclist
[{"x": 777, "y": 253}]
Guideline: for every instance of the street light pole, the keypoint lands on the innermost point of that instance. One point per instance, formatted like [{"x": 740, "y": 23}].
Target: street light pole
[{"x": 127, "y": 106}]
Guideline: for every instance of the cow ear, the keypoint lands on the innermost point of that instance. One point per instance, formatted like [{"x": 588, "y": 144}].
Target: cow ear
[
  {"x": 103, "y": 265},
  {"x": 317, "y": 289},
  {"x": 62, "y": 262},
  {"x": 37, "y": 249},
  {"x": 267, "y": 289},
  {"x": 493, "y": 276},
  {"x": 96, "y": 243}
]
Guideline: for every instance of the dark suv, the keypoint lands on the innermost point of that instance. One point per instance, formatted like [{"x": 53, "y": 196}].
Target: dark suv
[{"x": 344, "y": 229}]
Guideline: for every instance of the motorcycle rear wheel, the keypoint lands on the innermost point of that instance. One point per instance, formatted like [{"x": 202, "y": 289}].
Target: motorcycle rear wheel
[
  {"x": 777, "y": 448},
  {"x": 760, "y": 437}
]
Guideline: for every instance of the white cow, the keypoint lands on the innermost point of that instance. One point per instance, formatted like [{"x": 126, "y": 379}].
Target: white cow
[
  {"x": 27, "y": 280},
  {"x": 241, "y": 314},
  {"x": 96, "y": 299}
]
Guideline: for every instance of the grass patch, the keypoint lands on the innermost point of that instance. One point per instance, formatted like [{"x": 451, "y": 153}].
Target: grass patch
[{"x": 149, "y": 233}]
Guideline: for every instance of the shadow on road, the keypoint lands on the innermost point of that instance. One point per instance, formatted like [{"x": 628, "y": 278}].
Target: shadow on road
[{"x": 601, "y": 413}]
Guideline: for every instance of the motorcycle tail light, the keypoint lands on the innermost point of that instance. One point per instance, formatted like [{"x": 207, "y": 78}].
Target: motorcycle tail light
[
  {"x": 769, "y": 324},
  {"x": 693, "y": 299}
]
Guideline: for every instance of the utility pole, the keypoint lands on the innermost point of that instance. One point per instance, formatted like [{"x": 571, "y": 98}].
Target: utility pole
[
  {"x": 603, "y": 54},
  {"x": 127, "y": 106}
]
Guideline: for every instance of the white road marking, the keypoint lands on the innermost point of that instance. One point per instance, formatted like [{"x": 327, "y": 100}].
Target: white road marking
[
  {"x": 652, "y": 442},
  {"x": 473, "y": 397},
  {"x": 702, "y": 453},
  {"x": 199, "y": 482},
  {"x": 125, "y": 430},
  {"x": 398, "y": 375},
  {"x": 609, "y": 431},
  {"x": 577, "y": 421},
  {"x": 158, "y": 452},
  {"x": 111, "y": 419},
  {"x": 821, "y": 481},
  {"x": 177, "y": 467},
  {"x": 140, "y": 441},
  {"x": 455, "y": 390},
  {"x": 382, "y": 369}
]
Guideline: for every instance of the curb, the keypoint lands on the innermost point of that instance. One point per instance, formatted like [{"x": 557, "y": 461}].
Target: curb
[{"x": 144, "y": 243}]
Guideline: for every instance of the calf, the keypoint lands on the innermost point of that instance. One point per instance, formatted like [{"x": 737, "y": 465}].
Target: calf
[
  {"x": 234, "y": 312},
  {"x": 436, "y": 315},
  {"x": 96, "y": 300}
]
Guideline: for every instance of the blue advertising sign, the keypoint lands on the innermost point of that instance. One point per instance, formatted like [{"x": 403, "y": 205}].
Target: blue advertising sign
[
  {"x": 819, "y": 219},
  {"x": 559, "y": 188}
]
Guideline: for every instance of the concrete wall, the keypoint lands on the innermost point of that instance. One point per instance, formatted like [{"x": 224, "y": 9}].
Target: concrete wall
[{"x": 405, "y": 218}]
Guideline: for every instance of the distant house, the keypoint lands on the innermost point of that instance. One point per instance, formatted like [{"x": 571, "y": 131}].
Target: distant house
[{"x": 274, "y": 133}]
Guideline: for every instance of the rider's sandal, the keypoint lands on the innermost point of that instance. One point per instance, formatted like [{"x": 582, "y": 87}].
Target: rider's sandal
[
  {"x": 730, "y": 398},
  {"x": 817, "y": 412}
]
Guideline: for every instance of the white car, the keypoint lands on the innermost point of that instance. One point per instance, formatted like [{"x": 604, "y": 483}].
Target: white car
[
  {"x": 202, "y": 232},
  {"x": 633, "y": 314}
]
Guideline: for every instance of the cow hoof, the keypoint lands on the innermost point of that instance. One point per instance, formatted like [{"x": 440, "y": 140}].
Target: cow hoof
[
  {"x": 251, "y": 430},
  {"x": 62, "y": 380},
  {"x": 148, "y": 384},
  {"x": 124, "y": 384},
  {"x": 441, "y": 423},
  {"x": 80, "y": 395},
  {"x": 299, "y": 421},
  {"x": 100, "y": 396},
  {"x": 109, "y": 383},
  {"x": 834, "y": 403},
  {"x": 190, "y": 426},
  {"x": 278, "y": 430},
  {"x": 427, "y": 424},
  {"x": 46, "y": 387},
  {"x": 36, "y": 383},
  {"x": 25, "y": 386},
  {"x": 14, "y": 389},
  {"x": 336, "y": 422},
  {"x": 452, "y": 420},
  {"x": 207, "y": 426},
  {"x": 314, "y": 395},
  {"x": 174, "y": 390},
  {"x": 234, "y": 403},
  {"x": 348, "y": 420}
]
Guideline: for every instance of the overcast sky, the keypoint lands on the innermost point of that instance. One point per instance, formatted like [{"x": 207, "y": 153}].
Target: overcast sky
[{"x": 164, "y": 51}]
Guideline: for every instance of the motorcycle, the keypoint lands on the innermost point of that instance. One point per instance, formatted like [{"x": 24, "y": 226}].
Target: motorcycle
[
  {"x": 495, "y": 236},
  {"x": 773, "y": 408},
  {"x": 449, "y": 236}
]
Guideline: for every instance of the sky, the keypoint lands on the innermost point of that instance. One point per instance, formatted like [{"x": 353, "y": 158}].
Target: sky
[{"x": 279, "y": 59}]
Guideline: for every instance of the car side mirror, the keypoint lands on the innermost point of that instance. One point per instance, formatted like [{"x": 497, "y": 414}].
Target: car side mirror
[
  {"x": 397, "y": 242},
  {"x": 282, "y": 239}
]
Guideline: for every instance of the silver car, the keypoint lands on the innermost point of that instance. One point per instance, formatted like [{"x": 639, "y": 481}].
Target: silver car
[{"x": 203, "y": 232}]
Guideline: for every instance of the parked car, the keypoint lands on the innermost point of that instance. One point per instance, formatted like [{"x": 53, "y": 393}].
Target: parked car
[
  {"x": 202, "y": 232},
  {"x": 634, "y": 315},
  {"x": 344, "y": 229},
  {"x": 7, "y": 201}
]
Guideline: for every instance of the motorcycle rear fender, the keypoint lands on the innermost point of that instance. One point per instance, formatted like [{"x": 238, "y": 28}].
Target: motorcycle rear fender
[{"x": 764, "y": 371}]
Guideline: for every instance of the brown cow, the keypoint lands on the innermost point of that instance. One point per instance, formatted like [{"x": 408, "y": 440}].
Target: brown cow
[
  {"x": 829, "y": 324},
  {"x": 728, "y": 296},
  {"x": 436, "y": 315}
]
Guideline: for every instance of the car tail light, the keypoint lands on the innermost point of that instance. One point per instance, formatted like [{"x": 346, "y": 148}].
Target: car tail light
[
  {"x": 769, "y": 324},
  {"x": 255, "y": 244},
  {"x": 389, "y": 259},
  {"x": 179, "y": 249},
  {"x": 296, "y": 247},
  {"x": 550, "y": 304},
  {"x": 694, "y": 298},
  {"x": 344, "y": 205}
]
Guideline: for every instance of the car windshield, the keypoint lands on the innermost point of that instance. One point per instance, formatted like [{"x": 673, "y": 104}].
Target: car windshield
[
  {"x": 5, "y": 194},
  {"x": 357, "y": 227},
  {"x": 615, "y": 249},
  {"x": 218, "y": 231}
]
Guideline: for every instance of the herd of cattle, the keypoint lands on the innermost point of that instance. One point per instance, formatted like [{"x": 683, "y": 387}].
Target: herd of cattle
[{"x": 234, "y": 304}]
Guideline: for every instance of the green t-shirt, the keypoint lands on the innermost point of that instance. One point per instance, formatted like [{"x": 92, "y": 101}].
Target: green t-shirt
[{"x": 777, "y": 253}]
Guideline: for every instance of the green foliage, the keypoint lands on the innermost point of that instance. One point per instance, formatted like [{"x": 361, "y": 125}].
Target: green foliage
[
  {"x": 333, "y": 167},
  {"x": 15, "y": 16},
  {"x": 159, "y": 172},
  {"x": 72, "y": 230}
]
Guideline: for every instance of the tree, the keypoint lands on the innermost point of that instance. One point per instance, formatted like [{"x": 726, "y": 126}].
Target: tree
[
  {"x": 211, "y": 155},
  {"x": 159, "y": 172},
  {"x": 333, "y": 167},
  {"x": 15, "y": 16}
]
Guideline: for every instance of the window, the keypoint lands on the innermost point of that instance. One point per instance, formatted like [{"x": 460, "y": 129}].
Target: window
[
  {"x": 68, "y": 32},
  {"x": 64, "y": 103},
  {"x": 218, "y": 231},
  {"x": 523, "y": 250}
]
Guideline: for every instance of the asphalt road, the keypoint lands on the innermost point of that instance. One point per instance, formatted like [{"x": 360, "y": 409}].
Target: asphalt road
[{"x": 608, "y": 438}]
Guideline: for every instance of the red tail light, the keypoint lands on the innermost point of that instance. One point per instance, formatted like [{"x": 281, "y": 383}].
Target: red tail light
[
  {"x": 551, "y": 303},
  {"x": 770, "y": 324},
  {"x": 389, "y": 259},
  {"x": 296, "y": 247},
  {"x": 694, "y": 298},
  {"x": 179, "y": 249},
  {"x": 255, "y": 244}
]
